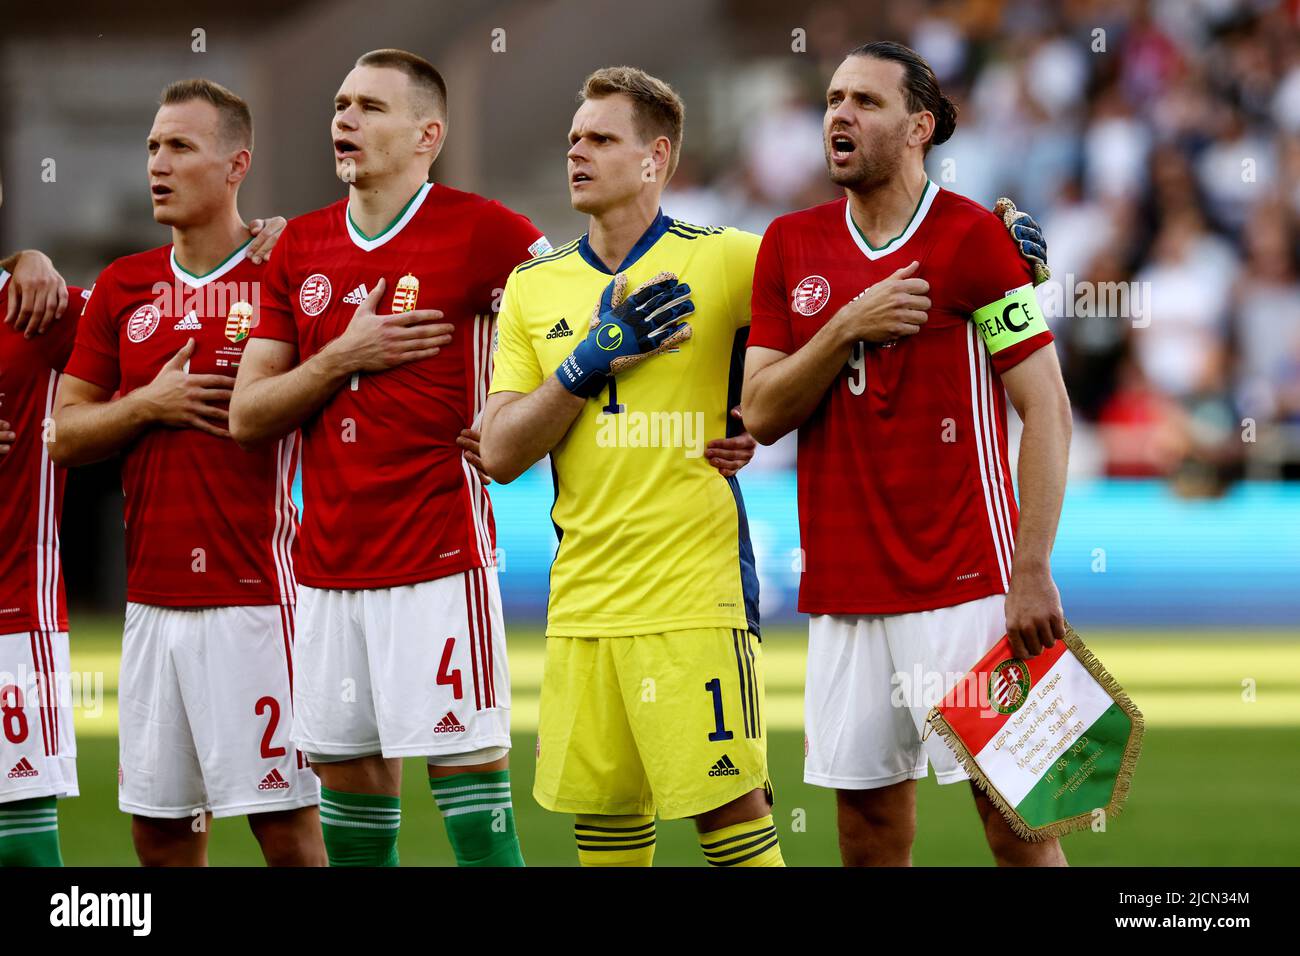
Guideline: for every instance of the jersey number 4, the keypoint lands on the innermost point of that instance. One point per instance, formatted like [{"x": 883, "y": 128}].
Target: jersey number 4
[{"x": 447, "y": 677}]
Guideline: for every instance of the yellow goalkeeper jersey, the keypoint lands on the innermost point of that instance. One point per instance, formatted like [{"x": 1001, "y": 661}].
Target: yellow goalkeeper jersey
[{"x": 652, "y": 537}]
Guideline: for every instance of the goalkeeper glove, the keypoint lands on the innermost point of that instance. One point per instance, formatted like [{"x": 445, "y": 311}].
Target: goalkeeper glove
[
  {"x": 1027, "y": 236},
  {"x": 627, "y": 329}
]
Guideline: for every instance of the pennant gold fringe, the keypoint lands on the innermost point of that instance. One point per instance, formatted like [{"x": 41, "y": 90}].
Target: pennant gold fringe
[{"x": 1122, "y": 780}]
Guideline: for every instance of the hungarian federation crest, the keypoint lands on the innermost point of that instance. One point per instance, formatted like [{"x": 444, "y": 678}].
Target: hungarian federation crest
[
  {"x": 1009, "y": 686},
  {"x": 239, "y": 322},
  {"x": 406, "y": 294},
  {"x": 811, "y": 295},
  {"x": 142, "y": 323}
]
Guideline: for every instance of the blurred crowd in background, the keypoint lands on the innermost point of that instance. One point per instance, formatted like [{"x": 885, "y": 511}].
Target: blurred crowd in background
[
  {"x": 1156, "y": 141},
  {"x": 1158, "y": 144}
]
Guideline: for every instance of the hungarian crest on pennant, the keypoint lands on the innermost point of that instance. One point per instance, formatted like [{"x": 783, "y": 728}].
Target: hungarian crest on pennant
[{"x": 1052, "y": 740}]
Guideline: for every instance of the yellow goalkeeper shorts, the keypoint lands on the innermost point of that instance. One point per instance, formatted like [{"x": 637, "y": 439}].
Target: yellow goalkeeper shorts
[{"x": 669, "y": 723}]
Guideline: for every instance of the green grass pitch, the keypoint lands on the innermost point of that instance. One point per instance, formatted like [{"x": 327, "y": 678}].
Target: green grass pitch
[{"x": 1217, "y": 783}]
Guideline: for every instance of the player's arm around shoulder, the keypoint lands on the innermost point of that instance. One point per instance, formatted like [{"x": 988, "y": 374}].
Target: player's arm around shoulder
[{"x": 37, "y": 296}]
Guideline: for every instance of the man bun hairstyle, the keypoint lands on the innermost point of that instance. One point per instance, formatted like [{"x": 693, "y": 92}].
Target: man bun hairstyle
[
  {"x": 656, "y": 108},
  {"x": 920, "y": 85},
  {"x": 423, "y": 75},
  {"x": 236, "y": 125}
]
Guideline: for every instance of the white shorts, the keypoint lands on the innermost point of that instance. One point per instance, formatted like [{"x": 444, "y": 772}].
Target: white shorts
[
  {"x": 415, "y": 670},
  {"x": 38, "y": 754},
  {"x": 204, "y": 710},
  {"x": 873, "y": 679}
]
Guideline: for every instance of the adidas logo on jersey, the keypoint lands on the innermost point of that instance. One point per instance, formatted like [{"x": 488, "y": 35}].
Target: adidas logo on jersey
[
  {"x": 273, "y": 781},
  {"x": 449, "y": 725},
  {"x": 357, "y": 295},
  {"x": 23, "y": 768},
  {"x": 560, "y": 331},
  {"x": 724, "y": 768},
  {"x": 190, "y": 323}
]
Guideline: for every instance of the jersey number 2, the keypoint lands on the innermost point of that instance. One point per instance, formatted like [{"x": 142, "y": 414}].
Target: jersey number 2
[{"x": 273, "y": 706}]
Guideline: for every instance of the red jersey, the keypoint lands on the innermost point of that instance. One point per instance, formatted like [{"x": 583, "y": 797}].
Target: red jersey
[
  {"x": 31, "y": 486},
  {"x": 387, "y": 496},
  {"x": 905, "y": 494},
  {"x": 208, "y": 524}
]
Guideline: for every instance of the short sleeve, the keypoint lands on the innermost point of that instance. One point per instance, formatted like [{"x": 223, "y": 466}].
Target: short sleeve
[
  {"x": 515, "y": 364},
  {"x": 59, "y": 339},
  {"x": 502, "y": 240},
  {"x": 95, "y": 356},
  {"x": 739, "y": 254},
  {"x": 275, "y": 318},
  {"x": 998, "y": 292},
  {"x": 770, "y": 316}
]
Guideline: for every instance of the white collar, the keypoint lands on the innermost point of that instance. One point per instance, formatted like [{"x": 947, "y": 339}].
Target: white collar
[
  {"x": 893, "y": 245},
  {"x": 408, "y": 212},
  {"x": 198, "y": 282}
]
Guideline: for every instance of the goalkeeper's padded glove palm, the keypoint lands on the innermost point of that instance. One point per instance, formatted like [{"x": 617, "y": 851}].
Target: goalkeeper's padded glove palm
[
  {"x": 628, "y": 329},
  {"x": 1028, "y": 237}
]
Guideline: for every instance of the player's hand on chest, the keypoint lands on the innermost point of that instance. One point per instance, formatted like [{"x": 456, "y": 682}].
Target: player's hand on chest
[
  {"x": 328, "y": 305},
  {"x": 153, "y": 332}
]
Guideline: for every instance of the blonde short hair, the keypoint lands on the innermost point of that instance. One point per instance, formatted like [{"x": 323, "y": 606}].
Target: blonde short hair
[
  {"x": 236, "y": 119},
  {"x": 656, "y": 107}
]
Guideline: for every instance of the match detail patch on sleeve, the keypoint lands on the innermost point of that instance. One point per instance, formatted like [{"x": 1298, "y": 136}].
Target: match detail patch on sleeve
[
  {"x": 1011, "y": 319},
  {"x": 540, "y": 248}
]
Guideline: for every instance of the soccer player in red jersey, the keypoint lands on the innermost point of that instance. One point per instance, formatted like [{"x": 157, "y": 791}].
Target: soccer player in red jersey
[
  {"x": 916, "y": 558},
  {"x": 38, "y": 763},
  {"x": 205, "y": 690},
  {"x": 375, "y": 338}
]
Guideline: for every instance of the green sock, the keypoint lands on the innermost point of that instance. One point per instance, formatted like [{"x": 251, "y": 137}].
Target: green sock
[
  {"x": 479, "y": 817},
  {"x": 29, "y": 833},
  {"x": 360, "y": 828}
]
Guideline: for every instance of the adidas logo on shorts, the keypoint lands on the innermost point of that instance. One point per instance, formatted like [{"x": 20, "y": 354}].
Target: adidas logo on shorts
[
  {"x": 449, "y": 725},
  {"x": 23, "y": 768},
  {"x": 724, "y": 768},
  {"x": 273, "y": 781},
  {"x": 560, "y": 330}
]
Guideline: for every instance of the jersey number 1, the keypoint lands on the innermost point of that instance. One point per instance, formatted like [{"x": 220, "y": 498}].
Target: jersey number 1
[
  {"x": 720, "y": 731},
  {"x": 613, "y": 408}
]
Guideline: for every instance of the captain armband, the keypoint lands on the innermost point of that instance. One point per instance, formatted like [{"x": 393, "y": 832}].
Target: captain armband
[{"x": 1012, "y": 319}]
